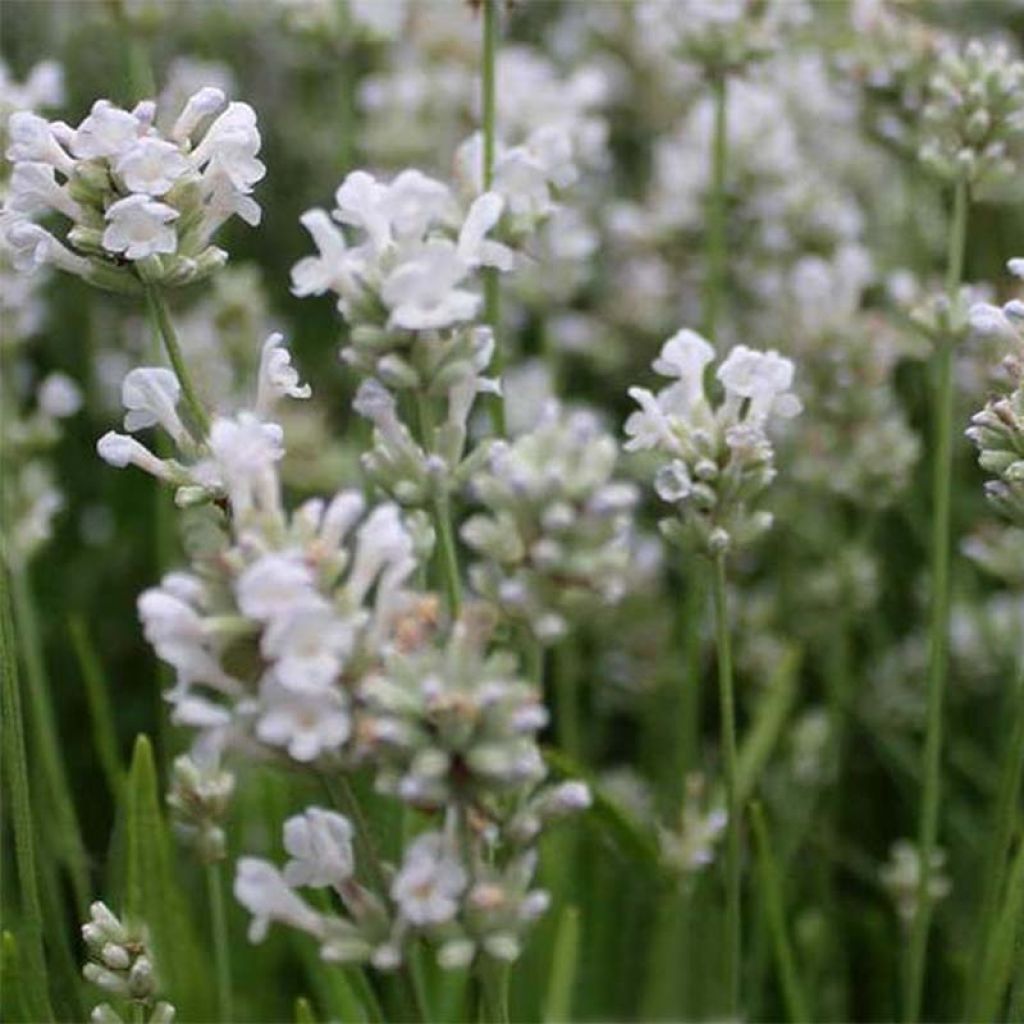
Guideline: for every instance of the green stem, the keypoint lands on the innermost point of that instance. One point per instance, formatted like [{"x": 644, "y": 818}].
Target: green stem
[
  {"x": 692, "y": 613},
  {"x": 47, "y": 745},
  {"x": 138, "y": 1012},
  {"x": 1004, "y": 818},
  {"x": 441, "y": 514},
  {"x": 567, "y": 692},
  {"x": 97, "y": 693},
  {"x": 162, "y": 321},
  {"x": 344, "y": 798},
  {"x": 733, "y": 940},
  {"x": 775, "y": 910},
  {"x": 448, "y": 555},
  {"x": 938, "y": 645},
  {"x": 221, "y": 944},
  {"x": 488, "y": 104},
  {"x": 15, "y": 779},
  {"x": 717, "y": 249}
]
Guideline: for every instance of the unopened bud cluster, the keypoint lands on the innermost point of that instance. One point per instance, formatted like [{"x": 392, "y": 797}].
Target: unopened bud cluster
[
  {"x": 722, "y": 36},
  {"x": 139, "y": 207},
  {"x": 998, "y": 430},
  {"x": 974, "y": 115},
  {"x": 556, "y": 539},
  {"x": 901, "y": 877},
  {"x": 199, "y": 798},
  {"x": 121, "y": 964},
  {"x": 713, "y": 460}
]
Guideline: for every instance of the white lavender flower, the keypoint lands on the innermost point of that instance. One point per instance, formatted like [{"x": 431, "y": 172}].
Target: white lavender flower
[
  {"x": 444, "y": 722},
  {"x": 199, "y": 798},
  {"x": 142, "y": 207},
  {"x": 121, "y": 963},
  {"x": 973, "y": 117},
  {"x": 556, "y": 539},
  {"x": 267, "y": 638},
  {"x": 713, "y": 461},
  {"x": 901, "y": 877}
]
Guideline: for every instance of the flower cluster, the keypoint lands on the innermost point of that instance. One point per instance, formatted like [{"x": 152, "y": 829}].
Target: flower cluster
[
  {"x": 556, "y": 540},
  {"x": 465, "y": 904},
  {"x": 974, "y": 116},
  {"x": 998, "y": 430},
  {"x": 713, "y": 461},
  {"x": 901, "y": 878},
  {"x": 142, "y": 206},
  {"x": 121, "y": 964},
  {"x": 267, "y": 635},
  {"x": 235, "y": 462},
  {"x": 721, "y": 36},
  {"x": 199, "y": 797},
  {"x": 450, "y": 722}
]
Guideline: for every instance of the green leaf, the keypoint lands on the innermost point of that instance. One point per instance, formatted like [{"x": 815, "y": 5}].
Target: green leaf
[
  {"x": 775, "y": 911},
  {"x": 303, "y": 1011},
  {"x": 1000, "y": 957},
  {"x": 152, "y": 893},
  {"x": 97, "y": 690},
  {"x": 14, "y": 1003},
  {"x": 15, "y": 771},
  {"x": 64, "y": 831},
  {"x": 558, "y": 1003}
]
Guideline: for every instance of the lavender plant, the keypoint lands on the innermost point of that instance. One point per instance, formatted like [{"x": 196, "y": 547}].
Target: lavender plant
[{"x": 412, "y": 616}]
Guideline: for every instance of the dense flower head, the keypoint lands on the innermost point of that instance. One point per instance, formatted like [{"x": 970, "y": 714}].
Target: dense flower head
[
  {"x": 407, "y": 255},
  {"x": 721, "y": 36},
  {"x": 121, "y": 962},
  {"x": 267, "y": 636},
  {"x": 713, "y": 460},
  {"x": 555, "y": 541},
  {"x": 199, "y": 798},
  {"x": 236, "y": 461},
  {"x": 451, "y": 720},
  {"x": 142, "y": 206},
  {"x": 973, "y": 118}
]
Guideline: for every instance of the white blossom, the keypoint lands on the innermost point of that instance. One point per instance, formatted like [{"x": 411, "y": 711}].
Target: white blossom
[
  {"x": 139, "y": 227},
  {"x": 320, "y": 845}
]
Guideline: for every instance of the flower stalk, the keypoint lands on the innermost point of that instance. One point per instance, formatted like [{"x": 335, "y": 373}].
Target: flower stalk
[
  {"x": 492, "y": 292},
  {"x": 717, "y": 247},
  {"x": 938, "y": 642},
  {"x": 727, "y": 704},
  {"x": 162, "y": 322}
]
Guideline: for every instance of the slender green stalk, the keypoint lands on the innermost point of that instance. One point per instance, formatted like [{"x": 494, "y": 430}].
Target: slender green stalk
[
  {"x": 162, "y": 321},
  {"x": 942, "y": 478},
  {"x": 1005, "y": 812},
  {"x": 692, "y": 610},
  {"x": 46, "y": 748},
  {"x": 716, "y": 253},
  {"x": 97, "y": 693},
  {"x": 567, "y": 695},
  {"x": 32, "y": 961},
  {"x": 562, "y": 981},
  {"x": 138, "y": 1012},
  {"x": 488, "y": 105},
  {"x": 221, "y": 943},
  {"x": 344, "y": 798},
  {"x": 998, "y": 966},
  {"x": 775, "y": 910},
  {"x": 449, "y": 557},
  {"x": 441, "y": 514},
  {"x": 733, "y": 935}
]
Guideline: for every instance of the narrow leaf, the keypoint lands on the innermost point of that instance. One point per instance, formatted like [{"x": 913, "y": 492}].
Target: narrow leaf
[
  {"x": 558, "y": 1003},
  {"x": 31, "y": 957},
  {"x": 97, "y": 692}
]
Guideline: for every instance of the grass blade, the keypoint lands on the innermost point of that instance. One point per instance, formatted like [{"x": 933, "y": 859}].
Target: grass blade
[
  {"x": 31, "y": 956},
  {"x": 46, "y": 747},
  {"x": 558, "y": 1003},
  {"x": 775, "y": 911},
  {"x": 97, "y": 692},
  {"x": 151, "y": 891},
  {"x": 998, "y": 969}
]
